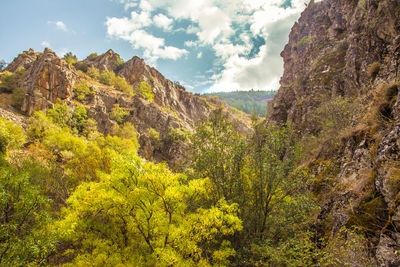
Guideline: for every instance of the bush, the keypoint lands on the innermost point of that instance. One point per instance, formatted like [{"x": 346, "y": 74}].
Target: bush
[
  {"x": 7, "y": 81},
  {"x": 107, "y": 77},
  {"x": 122, "y": 85},
  {"x": 11, "y": 135},
  {"x": 118, "y": 114},
  {"x": 79, "y": 118},
  {"x": 82, "y": 66},
  {"x": 82, "y": 90},
  {"x": 144, "y": 89},
  {"x": 93, "y": 72},
  {"x": 17, "y": 98},
  {"x": 70, "y": 58},
  {"x": 92, "y": 56},
  {"x": 60, "y": 114}
]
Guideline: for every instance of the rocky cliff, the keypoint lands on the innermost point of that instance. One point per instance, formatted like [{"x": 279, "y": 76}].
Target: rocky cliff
[
  {"x": 49, "y": 79},
  {"x": 343, "y": 57}
]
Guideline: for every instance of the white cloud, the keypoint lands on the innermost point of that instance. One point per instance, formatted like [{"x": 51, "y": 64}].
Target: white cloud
[
  {"x": 45, "y": 44},
  {"x": 133, "y": 30},
  {"x": 229, "y": 28},
  {"x": 162, "y": 21},
  {"x": 59, "y": 25}
]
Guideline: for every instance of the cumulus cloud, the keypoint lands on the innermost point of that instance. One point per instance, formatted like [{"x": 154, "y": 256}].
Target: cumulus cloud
[
  {"x": 133, "y": 30},
  {"x": 162, "y": 21},
  {"x": 59, "y": 25},
  {"x": 232, "y": 29}
]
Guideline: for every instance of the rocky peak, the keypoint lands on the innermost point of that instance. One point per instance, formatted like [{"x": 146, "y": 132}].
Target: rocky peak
[
  {"x": 107, "y": 61},
  {"x": 25, "y": 60},
  {"x": 48, "y": 78}
]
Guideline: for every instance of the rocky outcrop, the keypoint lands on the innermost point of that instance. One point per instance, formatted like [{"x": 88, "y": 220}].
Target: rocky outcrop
[
  {"x": 24, "y": 60},
  {"x": 351, "y": 49},
  {"x": 49, "y": 78},
  {"x": 107, "y": 61}
]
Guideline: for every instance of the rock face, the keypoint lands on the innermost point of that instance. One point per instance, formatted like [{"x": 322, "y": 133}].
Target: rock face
[
  {"x": 107, "y": 61},
  {"x": 351, "y": 49},
  {"x": 49, "y": 78}
]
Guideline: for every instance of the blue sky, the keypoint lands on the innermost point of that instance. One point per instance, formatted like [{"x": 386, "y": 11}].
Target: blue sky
[{"x": 206, "y": 45}]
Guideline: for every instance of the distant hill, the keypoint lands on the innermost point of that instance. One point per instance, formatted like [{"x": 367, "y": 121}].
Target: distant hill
[{"x": 251, "y": 102}]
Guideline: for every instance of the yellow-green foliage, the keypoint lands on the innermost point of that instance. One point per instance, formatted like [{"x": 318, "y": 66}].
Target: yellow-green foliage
[
  {"x": 18, "y": 97},
  {"x": 93, "y": 72},
  {"x": 82, "y": 90},
  {"x": 7, "y": 81},
  {"x": 125, "y": 131},
  {"x": 107, "y": 77},
  {"x": 92, "y": 56},
  {"x": 118, "y": 113},
  {"x": 122, "y": 85},
  {"x": 70, "y": 58},
  {"x": 11, "y": 135},
  {"x": 144, "y": 89},
  {"x": 148, "y": 221},
  {"x": 305, "y": 40},
  {"x": 155, "y": 138}
]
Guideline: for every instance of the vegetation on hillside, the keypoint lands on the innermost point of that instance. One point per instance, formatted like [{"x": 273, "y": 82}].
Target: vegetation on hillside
[
  {"x": 251, "y": 102},
  {"x": 70, "y": 195}
]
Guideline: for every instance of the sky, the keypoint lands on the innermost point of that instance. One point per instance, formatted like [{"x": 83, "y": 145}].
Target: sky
[{"x": 206, "y": 45}]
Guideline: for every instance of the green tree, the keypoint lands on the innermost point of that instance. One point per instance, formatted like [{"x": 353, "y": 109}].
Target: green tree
[
  {"x": 70, "y": 58},
  {"x": 79, "y": 118},
  {"x": 218, "y": 153},
  {"x": 24, "y": 217},
  {"x": 148, "y": 220},
  {"x": 60, "y": 114},
  {"x": 17, "y": 98},
  {"x": 11, "y": 136},
  {"x": 8, "y": 81}
]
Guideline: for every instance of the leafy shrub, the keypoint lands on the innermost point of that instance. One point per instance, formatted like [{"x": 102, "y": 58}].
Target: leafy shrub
[
  {"x": 70, "y": 58},
  {"x": 93, "y": 72},
  {"x": 79, "y": 118},
  {"x": 118, "y": 113},
  {"x": 120, "y": 64},
  {"x": 82, "y": 66},
  {"x": 60, "y": 114},
  {"x": 11, "y": 135},
  {"x": 82, "y": 90},
  {"x": 7, "y": 81},
  {"x": 17, "y": 98},
  {"x": 107, "y": 77},
  {"x": 122, "y": 85},
  {"x": 125, "y": 131},
  {"x": 144, "y": 89},
  {"x": 92, "y": 56},
  {"x": 155, "y": 138}
]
